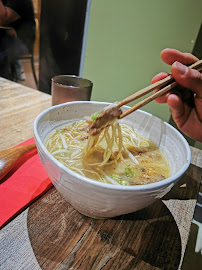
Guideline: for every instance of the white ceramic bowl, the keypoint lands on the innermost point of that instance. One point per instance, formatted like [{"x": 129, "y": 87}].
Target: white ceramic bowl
[{"x": 100, "y": 200}]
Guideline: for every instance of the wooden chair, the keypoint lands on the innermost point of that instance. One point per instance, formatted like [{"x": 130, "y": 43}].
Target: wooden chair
[
  {"x": 31, "y": 58},
  {"x": 4, "y": 32},
  {"x": 27, "y": 56}
]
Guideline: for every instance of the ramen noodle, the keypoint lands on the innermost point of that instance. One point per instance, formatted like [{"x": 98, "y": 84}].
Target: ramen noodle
[{"x": 117, "y": 155}]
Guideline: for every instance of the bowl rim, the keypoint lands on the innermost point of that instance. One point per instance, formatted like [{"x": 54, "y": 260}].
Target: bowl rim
[{"x": 152, "y": 186}]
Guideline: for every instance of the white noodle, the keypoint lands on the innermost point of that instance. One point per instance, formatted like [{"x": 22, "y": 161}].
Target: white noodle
[
  {"x": 112, "y": 180},
  {"x": 131, "y": 156},
  {"x": 75, "y": 153},
  {"x": 63, "y": 141},
  {"x": 79, "y": 171},
  {"x": 59, "y": 151}
]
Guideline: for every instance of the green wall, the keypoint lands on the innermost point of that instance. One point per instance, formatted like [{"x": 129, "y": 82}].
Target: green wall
[{"x": 124, "y": 41}]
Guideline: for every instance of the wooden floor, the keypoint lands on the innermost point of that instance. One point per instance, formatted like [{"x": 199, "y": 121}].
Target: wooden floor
[{"x": 29, "y": 81}]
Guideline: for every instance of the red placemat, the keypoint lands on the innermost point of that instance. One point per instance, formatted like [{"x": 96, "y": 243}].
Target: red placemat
[{"x": 22, "y": 185}]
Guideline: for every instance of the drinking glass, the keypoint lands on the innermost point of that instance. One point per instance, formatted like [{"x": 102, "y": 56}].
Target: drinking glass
[{"x": 66, "y": 88}]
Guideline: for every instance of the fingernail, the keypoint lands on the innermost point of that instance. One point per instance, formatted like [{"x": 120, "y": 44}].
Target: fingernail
[{"x": 181, "y": 69}]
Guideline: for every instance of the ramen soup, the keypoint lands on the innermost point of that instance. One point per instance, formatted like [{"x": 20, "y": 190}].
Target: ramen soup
[{"x": 117, "y": 156}]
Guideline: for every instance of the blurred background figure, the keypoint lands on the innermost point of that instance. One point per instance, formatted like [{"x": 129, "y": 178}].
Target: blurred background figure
[
  {"x": 17, "y": 36},
  {"x": 61, "y": 38}
]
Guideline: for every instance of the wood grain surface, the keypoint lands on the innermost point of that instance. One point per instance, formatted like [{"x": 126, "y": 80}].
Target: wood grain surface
[
  {"x": 51, "y": 234},
  {"x": 9, "y": 157},
  {"x": 62, "y": 238},
  {"x": 19, "y": 106}
]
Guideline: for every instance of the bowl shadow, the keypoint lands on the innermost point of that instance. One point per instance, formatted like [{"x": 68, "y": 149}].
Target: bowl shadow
[{"x": 62, "y": 238}]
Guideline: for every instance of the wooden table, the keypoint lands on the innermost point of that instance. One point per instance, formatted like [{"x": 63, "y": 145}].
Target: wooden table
[{"x": 50, "y": 234}]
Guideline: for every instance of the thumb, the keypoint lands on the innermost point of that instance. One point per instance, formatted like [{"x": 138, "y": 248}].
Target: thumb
[{"x": 188, "y": 78}]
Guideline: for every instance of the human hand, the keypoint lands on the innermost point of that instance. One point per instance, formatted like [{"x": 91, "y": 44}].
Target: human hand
[{"x": 187, "y": 118}]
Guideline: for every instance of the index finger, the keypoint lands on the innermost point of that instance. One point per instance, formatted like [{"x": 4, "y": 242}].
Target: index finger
[{"x": 169, "y": 56}]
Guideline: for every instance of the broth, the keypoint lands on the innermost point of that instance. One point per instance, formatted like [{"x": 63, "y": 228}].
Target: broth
[{"x": 140, "y": 162}]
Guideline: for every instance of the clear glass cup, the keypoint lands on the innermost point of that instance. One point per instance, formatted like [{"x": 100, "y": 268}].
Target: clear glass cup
[{"x": 66, "y": 88}]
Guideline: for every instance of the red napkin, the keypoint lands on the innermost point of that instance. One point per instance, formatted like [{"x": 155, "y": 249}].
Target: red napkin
[{"x": 23, "y": 185}]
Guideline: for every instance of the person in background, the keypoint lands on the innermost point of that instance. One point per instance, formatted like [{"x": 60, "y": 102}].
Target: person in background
[
  {"x": 61, "y": 39},
  {"x": 187, "y": 118},
  {"x": 17, "y": 37}
]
